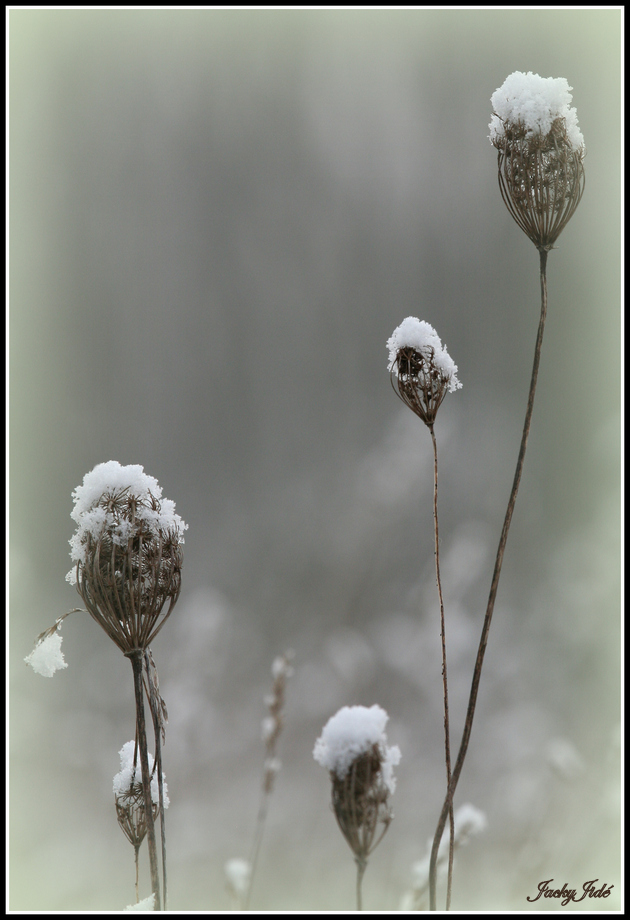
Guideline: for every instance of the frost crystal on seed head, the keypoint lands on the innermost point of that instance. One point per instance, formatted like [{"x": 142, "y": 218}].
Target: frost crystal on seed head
[
  {"x": 47, "y": 657},
  {"x": 535, "y": 102},
  {"x": 353, "y": 731},
  {"x": 128, "y": 777},
  {"x": 422, "y": 337},
  {"x": 99, "y": 505}
]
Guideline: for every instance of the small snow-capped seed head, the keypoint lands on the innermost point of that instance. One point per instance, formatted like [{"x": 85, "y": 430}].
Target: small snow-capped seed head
[
  {"x": 353, "y": 747},
  {"x": 131, "y": 814},
  {"x": 127, "y": 551},
  {"x": 129, "y": 794},
  {"x": 540, "y": 154},
  {"x": 421, "y": 370}
]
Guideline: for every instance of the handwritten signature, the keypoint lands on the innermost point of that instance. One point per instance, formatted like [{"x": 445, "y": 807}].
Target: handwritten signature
[{"x": 570, "y": 894}]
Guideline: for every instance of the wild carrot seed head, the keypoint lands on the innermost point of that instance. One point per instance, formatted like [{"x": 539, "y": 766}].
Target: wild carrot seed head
[
  {"x": 421, "y": 370},
  {"x": 353, "y": 747},
  {"x": 540, "y": 154},
  {"x": 127, "y": 551},
  {"x": 129, "y": 794}
]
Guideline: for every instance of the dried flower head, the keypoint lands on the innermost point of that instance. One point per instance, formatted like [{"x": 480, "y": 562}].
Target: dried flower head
[
  {"x": 541, "y": 149},
  {"x": 129, "y": 795},
  {"x": 131, "y": 814},
  {"x": 421, "y": 370},
  {"x": 353, "y": 747},
  {"x": 127, "y": 551}
]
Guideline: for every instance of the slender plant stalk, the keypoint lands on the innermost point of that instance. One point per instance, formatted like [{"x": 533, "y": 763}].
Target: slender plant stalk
[
  {"x": 272, "y": 727},
  {"x": 137, "y": 851},
  {"x": 258, "y": 835},
  {"x": 158, "y": 765},
  {"x": 447, "y": 741},
  {"x": 136, "y": 657},
  {"x": 361, "y": 867},
  {"x": 154, "y": 704},
  {"x": 446, "y": 808},
  {"x": 158, "y": 761}
]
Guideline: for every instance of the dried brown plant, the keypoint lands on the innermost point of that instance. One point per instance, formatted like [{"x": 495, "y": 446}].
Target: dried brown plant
[
  {"x": 419, "y": 382},
  {"x": 125, "y": 585},
  {"x": 128, "y": 554},
  {"x": 360, "y": 801},
  {"x": 131, "y": 814},
  {"x": 541, "y": 178},
  {"x": 272, "y": 726},
  {"x": 422, "y": 381}
]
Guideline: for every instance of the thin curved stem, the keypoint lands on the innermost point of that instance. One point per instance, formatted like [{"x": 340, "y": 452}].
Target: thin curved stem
[
  {"x": 136, "y": 663},
  {"x": 137, "y": 851},
  {"x": 361, "y": 866},
  {"x": 447, "y": 741},
  {"x": 258, "y": 834},
  {"x": 493, "y": 587},
  {"x": 155, "y": 700}
]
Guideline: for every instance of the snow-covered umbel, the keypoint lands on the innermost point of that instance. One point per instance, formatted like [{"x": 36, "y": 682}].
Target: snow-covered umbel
[
  {"x": 540, "y": 154},
  {"x": 97, "y": 508},
  {"x": 421, "y": 370},
  {"x": 534, "y": 102},
  {"x": 128, "y": 777},
  {"x": 127, "y": 551},
  {"x": 420, "y": 336},
  {"x": 47, "y": 657},
  {"x": 353, "y": 748},
  {"x": 354, "y": 731}
]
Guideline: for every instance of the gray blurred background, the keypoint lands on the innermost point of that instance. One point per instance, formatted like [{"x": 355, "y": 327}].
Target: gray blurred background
[{"x": 217, "y": 218}]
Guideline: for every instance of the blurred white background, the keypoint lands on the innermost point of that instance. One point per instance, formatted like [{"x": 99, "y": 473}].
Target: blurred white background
[{"x": 217, "y": 218}]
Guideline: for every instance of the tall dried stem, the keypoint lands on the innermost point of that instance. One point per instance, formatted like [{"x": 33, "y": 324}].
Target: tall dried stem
[
  {"x": 159, "y": 717},
  {"x": 493, "y": 588},
  {"x": 361, "y": 867},
  {"x": 447, "y": 741},
  {"x": 272, "y": 727},
  {"x": 136, "y": 658},
  {"x": 136, "y": 851}
]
